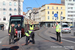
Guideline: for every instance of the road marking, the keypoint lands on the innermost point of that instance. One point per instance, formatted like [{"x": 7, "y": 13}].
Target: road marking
[
  {"x": 68, "y": 40},
  {"x": 2, "y": 39}
]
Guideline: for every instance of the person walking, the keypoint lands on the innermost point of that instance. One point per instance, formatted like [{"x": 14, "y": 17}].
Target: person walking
[
  {"x": 11, "y": 32},
  {"x": 19, "y": 31},
  {"x": 58, "y": 30}
]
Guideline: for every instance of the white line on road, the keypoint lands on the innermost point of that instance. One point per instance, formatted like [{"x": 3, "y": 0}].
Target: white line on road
[
  {"x": 2, "y": 39},
  {"x": 68, "y": 40}
]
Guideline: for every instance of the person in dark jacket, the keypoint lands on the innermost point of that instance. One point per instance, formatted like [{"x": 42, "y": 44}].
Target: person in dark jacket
[
  {"x": 11, "y": 32},
  {"x": 19, "y": 30},
  {"x": 29, "y": 34}
]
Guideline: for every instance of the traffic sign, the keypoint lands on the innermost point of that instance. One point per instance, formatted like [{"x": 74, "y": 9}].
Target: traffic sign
[
  {"x": 62, "y": 17},
  {"x": 55, "y": 15}
]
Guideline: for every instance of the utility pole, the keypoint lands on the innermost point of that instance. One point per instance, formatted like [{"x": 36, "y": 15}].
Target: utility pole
[
  {"x": 72, "y": 21},
  {"x": 61, "y": 25},
  {"x": 19, "y": 13}
]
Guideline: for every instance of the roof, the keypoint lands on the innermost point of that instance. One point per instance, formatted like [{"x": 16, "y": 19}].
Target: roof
[
  {"x": 54, "y": 4},
  {"x": 17, "y": 16},
  {"x": 24, "y": 13}
]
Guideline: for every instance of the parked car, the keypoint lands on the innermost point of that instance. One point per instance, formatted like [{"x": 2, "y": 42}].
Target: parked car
[
  {"x": 65, "y": 28},
  {"x": 71, "y": 26}
]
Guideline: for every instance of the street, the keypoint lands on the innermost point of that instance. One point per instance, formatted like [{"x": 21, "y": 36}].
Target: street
[{"x": 45, "y": 39}]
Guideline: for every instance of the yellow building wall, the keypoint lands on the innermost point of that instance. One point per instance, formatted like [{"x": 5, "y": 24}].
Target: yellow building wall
[{"x": 55, "y": 10}]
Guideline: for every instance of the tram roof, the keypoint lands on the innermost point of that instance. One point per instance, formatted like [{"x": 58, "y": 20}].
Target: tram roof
[{"x": 17, "y": 16}]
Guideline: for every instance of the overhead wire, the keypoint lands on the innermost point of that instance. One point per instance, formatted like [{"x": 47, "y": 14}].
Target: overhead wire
[
  {"x": 25, "y": 4},
  {"x": 37, "y": 2}
]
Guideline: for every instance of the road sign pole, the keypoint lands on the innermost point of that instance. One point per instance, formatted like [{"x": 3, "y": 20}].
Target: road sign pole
[
  {"x": 72, "y": 22},
  {"x": 61, "y": 25},
  {"x": 55, "y": 15}
]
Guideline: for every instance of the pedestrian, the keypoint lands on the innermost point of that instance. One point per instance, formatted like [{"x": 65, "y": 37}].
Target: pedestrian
[
  {"x": 3, "y": 28},
  {"x": 58, "y": 30},
  {"x": 19, "y": 31},
  {"x": 30, "y": 34},
  {"x": 11, "y": 32}
]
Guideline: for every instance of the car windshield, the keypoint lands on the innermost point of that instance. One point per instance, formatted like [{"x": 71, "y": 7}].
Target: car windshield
[{"x": 64, "y": 25}]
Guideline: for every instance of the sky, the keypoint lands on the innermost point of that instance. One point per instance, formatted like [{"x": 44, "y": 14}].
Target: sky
[{"x": 37, "y": 3}]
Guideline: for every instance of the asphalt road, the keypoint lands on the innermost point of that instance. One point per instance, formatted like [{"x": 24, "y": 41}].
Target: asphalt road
[
  {"x": 45, "y": 39},
  {"x": 3, "y": 33}
]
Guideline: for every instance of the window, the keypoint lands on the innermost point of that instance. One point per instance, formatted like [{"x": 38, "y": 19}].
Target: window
[
  {"x": 48, "y": 7},
  {"x": 52, "y": 12},
  {"x": 48, "y": 17},
  {"x": 4, "y": 9},
  {"x": 4, "y": 13},
  {"x": 3, "y": 3},
  {"x": 68, "y": 7},
  {"x": 15, "y": 9},
  {"x": 71, "y": 7},
  {"x": 57, "y": 18},
  {"x": 4, "y": 18},
  {"x": 15, "y": 4},
  {"x": 61, "y": 7},
  {"x": 52, "y": 7},
  {"x": 57, "y": 12},
  {"x": 73, "y": 0},
  {"x": 48, "y": 12},
  {"x": 61, "y": 13},
  {"x": 10, "y": 9},
  {"x": 57, "y": 8},
  {"x": 70, "y": 0},
  {"x": 70, "y": 3},
  {"x": 70, "y": 15},
  {"x": 10, "y": 3},
  {"x": 52, "y": 17},
  {"x": 10, "y": 14}
]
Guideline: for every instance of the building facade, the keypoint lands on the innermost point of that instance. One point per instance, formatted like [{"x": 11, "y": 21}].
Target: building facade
[
  {"x": 36, "y": 14},
  {"x": 28, "y": 14},
  {"x": 48, "y": 11},
  {"x": 63, "y": 2},
  {"x": 8, "y": 8},
  {"x": 70, "y": 10}
]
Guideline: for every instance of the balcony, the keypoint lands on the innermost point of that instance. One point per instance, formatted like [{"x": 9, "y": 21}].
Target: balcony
[{"x": 42, "y": 9}]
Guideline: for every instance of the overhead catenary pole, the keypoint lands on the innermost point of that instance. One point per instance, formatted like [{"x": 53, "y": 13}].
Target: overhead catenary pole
[
  {"x": 72, "y": 21},
  {"x": 19, "y": 13}
]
